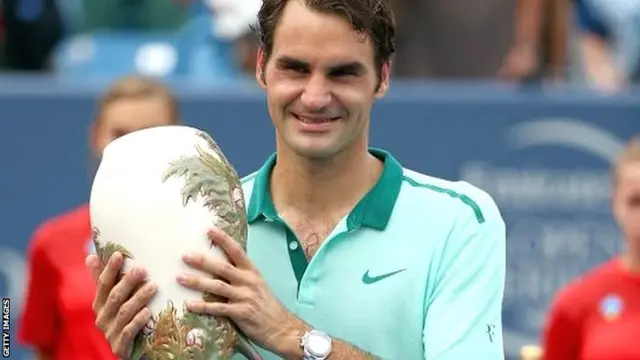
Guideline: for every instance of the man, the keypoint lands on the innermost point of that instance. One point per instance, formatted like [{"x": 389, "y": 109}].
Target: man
[
  {"x": 596, "y": 316},
  {"x": 349, "y": 254},
  {"x": 58, "y": 322}
]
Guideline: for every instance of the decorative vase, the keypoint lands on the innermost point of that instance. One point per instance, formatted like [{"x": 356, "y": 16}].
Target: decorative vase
[{"x": 155, "y": 195}]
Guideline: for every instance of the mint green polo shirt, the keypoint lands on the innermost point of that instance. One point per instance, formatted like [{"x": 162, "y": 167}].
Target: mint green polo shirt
[{"x": 416, "y": 270}]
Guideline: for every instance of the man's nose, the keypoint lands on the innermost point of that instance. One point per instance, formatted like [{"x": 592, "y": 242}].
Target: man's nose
[{"x": 316, "y": 94}]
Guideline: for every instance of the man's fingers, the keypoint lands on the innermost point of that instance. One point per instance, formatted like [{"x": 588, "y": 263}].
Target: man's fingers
[
  {"x": 212, "y": 286},
  {"x": 230, "y": 247},
  {"x": 219, "y": 268},
  {"x": 119, "y": 294},
  {"x": 214, "y": 308},
  {"x": 107, "y": 280},
  {"x": 93, "y": 263},
  {"x": 133, "y": 306},
  {"x": 122, "y": 347}
]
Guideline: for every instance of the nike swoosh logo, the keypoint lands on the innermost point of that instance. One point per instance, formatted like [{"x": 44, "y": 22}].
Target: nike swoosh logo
[{"x": 367, "y": 279}]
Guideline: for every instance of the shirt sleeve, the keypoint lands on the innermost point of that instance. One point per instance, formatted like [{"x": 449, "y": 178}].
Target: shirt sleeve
[
  {"x": 560, "y": 336},
  {"x": 40, "y": 312},
  {"x": 463, "y": 317}
]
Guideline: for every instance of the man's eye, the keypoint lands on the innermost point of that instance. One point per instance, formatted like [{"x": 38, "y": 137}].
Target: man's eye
[
  {"x": 343, "y": 73},
  {"x": 634, "y": 201},
  {"x": 297, "y": 69}
]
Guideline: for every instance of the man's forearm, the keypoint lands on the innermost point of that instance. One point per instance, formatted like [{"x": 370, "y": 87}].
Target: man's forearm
[
  {"x": 343, "y": 351},
  {"x": 340, "y": 351},
  {"x": 529, "y": 23},
  {"x": 290, "y": 348}
]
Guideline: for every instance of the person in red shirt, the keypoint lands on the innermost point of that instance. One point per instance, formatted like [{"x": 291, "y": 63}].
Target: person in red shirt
[
  {"x": 57, "y": 320},
  {"x": 597, "y": 317}
]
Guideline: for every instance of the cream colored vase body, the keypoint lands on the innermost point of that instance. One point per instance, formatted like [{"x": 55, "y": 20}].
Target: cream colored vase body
[{"x": 155, "y": 195}]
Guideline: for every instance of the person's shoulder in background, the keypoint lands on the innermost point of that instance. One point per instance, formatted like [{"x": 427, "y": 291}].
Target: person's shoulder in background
[
  {"x": 577, "y": 296},
  {"x": 58, "y": 227}
]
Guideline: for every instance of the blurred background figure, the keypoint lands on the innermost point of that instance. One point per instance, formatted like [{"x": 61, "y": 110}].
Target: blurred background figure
[
  {"x": 232, "y": 21},
  {"x": 538, "y": 47},
  {"x": 596, "y": 316},
  {"x": 608, "y": 40},
  {"x": 453, "y": 38},
  {"x": 58, "y": 322},
  {"x": 31, "y": 29}
]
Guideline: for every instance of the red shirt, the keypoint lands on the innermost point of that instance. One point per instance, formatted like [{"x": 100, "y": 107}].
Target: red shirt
[
  {"x": 57, "y": 316},
  {"x": 597, "y": 317}
]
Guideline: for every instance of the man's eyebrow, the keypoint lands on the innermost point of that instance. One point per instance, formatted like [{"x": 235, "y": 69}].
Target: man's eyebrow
[
  {"x": 288, "y": 62},
  {"x": 354, "y": 67}
]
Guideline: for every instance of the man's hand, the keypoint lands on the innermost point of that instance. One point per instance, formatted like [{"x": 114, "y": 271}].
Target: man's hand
[
  {"x": 251, "y": 305},
  {"x": 121, "y": 311}
]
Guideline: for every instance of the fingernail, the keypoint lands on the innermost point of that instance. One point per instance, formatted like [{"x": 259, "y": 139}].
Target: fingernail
[
  {"x": 189, "y": 256},
  {"x": 192, "y": 305},
  {"x": 137, "y": 272},
  {"x": 147, "y": 312},
  {"x": 89, "y": 262},
  {"x": 183, "y": 279}
]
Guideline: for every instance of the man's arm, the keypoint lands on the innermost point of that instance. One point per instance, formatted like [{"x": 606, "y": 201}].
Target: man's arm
[
  {"x": 341, "y": 350},
  {"x": 559, "y": 34},
  {"x": 463, "y": 308},
  {"x": 523, "y": 58}
]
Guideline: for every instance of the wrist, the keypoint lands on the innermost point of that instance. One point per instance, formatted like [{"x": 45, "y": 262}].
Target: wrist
[{"x": 287, "y": 344}]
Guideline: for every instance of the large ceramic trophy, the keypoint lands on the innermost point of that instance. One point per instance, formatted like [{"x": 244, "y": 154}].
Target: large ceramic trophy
[{"x": 154, "y": 197}]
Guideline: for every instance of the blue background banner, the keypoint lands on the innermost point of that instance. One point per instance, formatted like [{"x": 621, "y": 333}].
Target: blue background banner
[{"x": 545, "y": 157}]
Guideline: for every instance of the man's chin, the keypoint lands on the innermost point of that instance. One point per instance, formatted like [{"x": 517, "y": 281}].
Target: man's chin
[{"x": 317, "y": 151}]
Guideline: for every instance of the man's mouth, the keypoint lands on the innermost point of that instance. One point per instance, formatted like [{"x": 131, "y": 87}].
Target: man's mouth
[{"x": 314, "y": 119}]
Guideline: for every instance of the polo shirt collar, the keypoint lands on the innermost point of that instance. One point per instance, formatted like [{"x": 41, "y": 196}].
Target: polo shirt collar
[{"x": 374, "y": 210}]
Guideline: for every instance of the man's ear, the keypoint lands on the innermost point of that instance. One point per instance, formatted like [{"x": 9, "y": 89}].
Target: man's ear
[
  {"x": 385, "y": 78},
  {"x": 260, "y": 65}
]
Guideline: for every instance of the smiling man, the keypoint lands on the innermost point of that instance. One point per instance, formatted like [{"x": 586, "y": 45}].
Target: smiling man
[{"x": 350, "y": 255}]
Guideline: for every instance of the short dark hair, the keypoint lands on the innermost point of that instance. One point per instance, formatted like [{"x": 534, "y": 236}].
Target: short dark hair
[{"x": 373, "y": 18}]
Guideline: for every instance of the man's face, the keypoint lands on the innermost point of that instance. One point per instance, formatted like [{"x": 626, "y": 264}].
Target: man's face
[
  {"x": 321, "y": 82},
  {"x": 128, "y": 115},
  {"x": 626, "y": 200}
]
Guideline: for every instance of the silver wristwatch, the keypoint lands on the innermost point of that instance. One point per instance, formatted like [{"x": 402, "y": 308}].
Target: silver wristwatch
[{"x": 316, "y": 345}]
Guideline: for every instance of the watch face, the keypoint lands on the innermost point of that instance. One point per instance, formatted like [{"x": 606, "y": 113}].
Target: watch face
[{"x": 318, "y": 345}]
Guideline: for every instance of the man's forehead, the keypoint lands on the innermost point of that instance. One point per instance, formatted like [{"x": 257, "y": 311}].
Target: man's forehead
[
  {"x": 631, "y": 171},
  {"x": 628, "y": 177},
  {"x": 330, "y": 53},
  {"x": 146, "y": 113}
]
